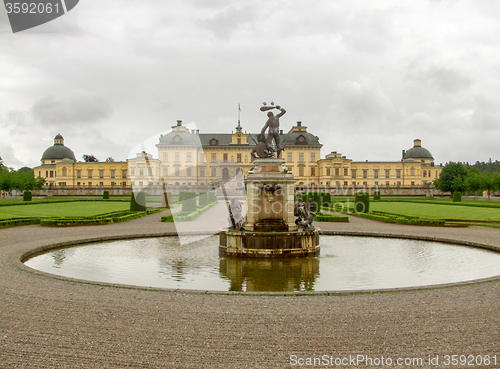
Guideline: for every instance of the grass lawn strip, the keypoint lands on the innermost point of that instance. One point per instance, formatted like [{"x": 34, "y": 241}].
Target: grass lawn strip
[
  {"x": 64, "y": 209},
  {"x": 437, "y": 211}
]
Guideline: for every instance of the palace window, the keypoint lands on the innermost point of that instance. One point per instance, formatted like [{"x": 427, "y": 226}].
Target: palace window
[
  {"x": 313, "y": 172},
  {"x": 346, "y": 172},
  {"x": 113, "y": 173},
  {"x": 337, "y": 172},
  {"x": 89, "y": 173},
  {"x": 202, "y": 172},
  {"x": 353, "y": 173},
  {"x": 375, "y": 173},
  {"x": 365, "y": 173},
  {"x": 289, "y": 157},
  {"x": 224, "y": 158},
  {"x": 301, "y": 171},
  {"x": 132, "y": 172},
  {"x": 101, "y": 173},
  {"x": 141, "y": 172},
  {"x": 412, "y": 171},
  {"x": 387, "y": 173},
  {"x": 398, "y": 173},
  {"x": 239, "y": 141},
  {"x": 124, "y": 173},
  {"x": 177, "y": 157},
  {"x": 165, "y": 156},
  {"x": 328, "y": 171},
  {"x": 424, "y": 173},
  {"x": 165, "y": 171},
  {"x": 64, "y": 172},
  {"x": 188, "y": 156},
  {"x": 202, "y": 158},
  {"x": 150, "y": 172},
  {"x": 301, "y": 157},
  {"x": 313, "y": 156},
  {"x": 188, "y": 172},
  {"x": 214, "y": 172},
  {"x": 213, "y": 158},
  {"x": 238, "y": 158}
]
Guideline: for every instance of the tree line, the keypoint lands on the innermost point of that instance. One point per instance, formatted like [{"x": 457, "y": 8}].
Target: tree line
[
  {"x": 22, "y": 179},
  {"x": 459, "y": 177}
]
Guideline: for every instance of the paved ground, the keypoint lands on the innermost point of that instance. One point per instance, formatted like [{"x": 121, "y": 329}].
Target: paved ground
[{"x": 47, "y": 322}]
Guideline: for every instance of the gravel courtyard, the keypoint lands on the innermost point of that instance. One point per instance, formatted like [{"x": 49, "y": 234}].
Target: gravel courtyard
[{"x": 56, "y": 323}]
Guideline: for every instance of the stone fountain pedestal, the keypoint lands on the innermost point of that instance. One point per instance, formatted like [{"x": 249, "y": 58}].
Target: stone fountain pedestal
[{"x": 269, "y": 229}]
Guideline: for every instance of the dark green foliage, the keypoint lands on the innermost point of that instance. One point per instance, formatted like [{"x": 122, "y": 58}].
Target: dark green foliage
[
  {"x": 189, "y": 202},
  {"x": 27, "y": 196},
  {"x": 203, "y": 199},
  {"x": 212, "y": 197},
  {"x": 452, "y": 178},
  {"x": 138, "y": 201},
  {"x": 330, "y": 218},
  {"x": 362, "y": 202},
  {"x": 457, "y": 196},
  {"x": 376, "y": 196},
  {"x": 105, "y": 195}
]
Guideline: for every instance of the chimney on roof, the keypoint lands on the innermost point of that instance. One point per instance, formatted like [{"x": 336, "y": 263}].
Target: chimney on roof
[
  {"x": 417, "y": 142},
  {"x": 179, "y": 123},
  {"x": 299, "y": 124}
]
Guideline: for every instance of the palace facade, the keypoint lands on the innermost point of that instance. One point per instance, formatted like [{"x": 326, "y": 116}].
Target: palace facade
[{"x": 189, "y": 158}]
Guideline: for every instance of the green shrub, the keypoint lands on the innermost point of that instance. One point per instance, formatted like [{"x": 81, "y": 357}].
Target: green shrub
[
  {"x": 105, "y": 195},
  {"x": 27, "y": 196},
  {"x": 189, "y": 202},
  {"x": 457, "y": 196},
  {"x": 212, "y": 197},
  {"x": 203, "y": 199},
  {"x": 168, "y": 218},
  {"x": 376, "y": 196},
  {"x": 331, "y": 218},
  {"x": 361, "y": 202},
  {"x": 138, "y": 201}
]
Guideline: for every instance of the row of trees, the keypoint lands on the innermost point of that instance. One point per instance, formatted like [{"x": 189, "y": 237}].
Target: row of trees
[
  {"x": 460, "y": 178},
  {"x": 22, "y": 179}
]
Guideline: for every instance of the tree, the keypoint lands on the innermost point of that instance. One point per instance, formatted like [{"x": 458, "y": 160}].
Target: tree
[
  {"x": 452, "y": 178},
  {"x": 491, "y": 182},
  {"x": 110, "y": 160},
  {"x": 89, "y": 158},
  {"x": 474, "y": 181}
]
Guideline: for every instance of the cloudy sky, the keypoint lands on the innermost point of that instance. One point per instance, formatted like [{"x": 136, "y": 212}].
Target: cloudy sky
[{"x": 367, "y": 77}]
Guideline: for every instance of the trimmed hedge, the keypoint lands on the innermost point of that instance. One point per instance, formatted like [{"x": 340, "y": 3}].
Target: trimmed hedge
[
  {"x": 168, "y": 218},
  {"x": 105, "y": 195},
  {"x": 320, "y": 217},
  {"x": 18, "y": 221},
  {"x": 27, "y": 196},
  {"x": 203, "y": 199},
  {"x": 73, "y": 221},
  {"x": 138, "y": 201},
  {"x": 183, "y": 216},
  {"x": 189, "y": 202},
  {"x": 362, "y": 202},
  {"x": 376, "y": 196},
  {"x": 457, "y": 196}
]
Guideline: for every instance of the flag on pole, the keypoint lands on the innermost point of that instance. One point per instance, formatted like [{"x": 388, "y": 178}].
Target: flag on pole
[{"x": 239, "y": 107}]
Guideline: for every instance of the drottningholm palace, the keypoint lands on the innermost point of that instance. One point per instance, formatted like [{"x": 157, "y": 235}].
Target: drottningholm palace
[{"x": 188, "y": 158}]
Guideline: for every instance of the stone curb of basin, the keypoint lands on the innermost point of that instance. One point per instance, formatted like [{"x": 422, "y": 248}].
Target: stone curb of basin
[{"x": 19, "y": 258}]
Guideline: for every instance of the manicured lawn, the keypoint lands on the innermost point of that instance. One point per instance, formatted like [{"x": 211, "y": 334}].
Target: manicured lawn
[
  {"x": 436, "y": 211},
  {"x": 63, "y": 209}
]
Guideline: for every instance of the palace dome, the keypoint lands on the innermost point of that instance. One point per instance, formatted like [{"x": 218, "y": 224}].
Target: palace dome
[
  {"x": 58, "y": 151},
  {"x": 417, "y": 152}
]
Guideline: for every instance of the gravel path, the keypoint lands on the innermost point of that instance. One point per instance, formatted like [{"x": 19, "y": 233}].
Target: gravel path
[{"x": 54, "y": 323}]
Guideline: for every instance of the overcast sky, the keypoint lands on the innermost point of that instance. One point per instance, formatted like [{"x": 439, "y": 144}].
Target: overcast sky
[{"x": 367, "y": 77}]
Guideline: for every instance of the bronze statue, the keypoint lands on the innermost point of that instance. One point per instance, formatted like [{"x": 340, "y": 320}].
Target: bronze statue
[{"x": 273, "y": 124}]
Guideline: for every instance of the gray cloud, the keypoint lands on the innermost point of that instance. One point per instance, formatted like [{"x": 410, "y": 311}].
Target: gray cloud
[{"x": 77, "y": 107}]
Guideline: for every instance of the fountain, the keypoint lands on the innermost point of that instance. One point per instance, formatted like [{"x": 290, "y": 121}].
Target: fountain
[{"x": 270, "y": 229}]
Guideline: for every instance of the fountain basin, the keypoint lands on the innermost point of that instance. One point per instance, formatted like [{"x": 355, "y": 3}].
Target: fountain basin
[{"x": 269, "y": 244}]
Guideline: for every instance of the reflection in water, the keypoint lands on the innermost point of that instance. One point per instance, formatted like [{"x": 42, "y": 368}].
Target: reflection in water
[
  {"x": 293, "y": 274},
  {"x": 345, "y": 263}
]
